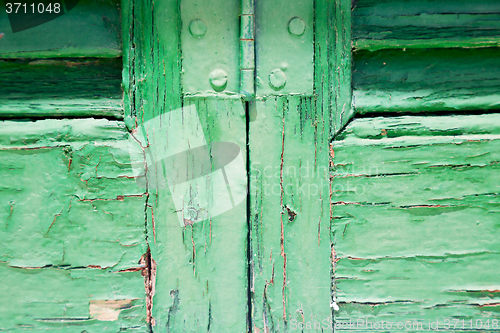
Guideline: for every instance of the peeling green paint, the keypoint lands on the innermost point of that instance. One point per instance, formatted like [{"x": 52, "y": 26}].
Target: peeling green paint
[
  {"x": 72, "y": 226},
  {"x": 426, "y": 80},
  {"x": 415, "y": 218},
  {"x": 411, "y": 210},
  {"x": 289, "y": 186},
  {"x": 398, "y": 24}
]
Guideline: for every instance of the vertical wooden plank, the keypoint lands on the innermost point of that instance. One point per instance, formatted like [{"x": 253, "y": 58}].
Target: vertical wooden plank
[
  {"x": 289, "y": 214},
  {"x": 333, "y": 62},
  {"x": 332, "y": 59},
  {"x": 206, "y": 261},
  {"x": 289, "y": 154},
  {"x": 152, "y": 59},
  {"x": 152, "y": 86},
  {"x": 197, "y": 272}
]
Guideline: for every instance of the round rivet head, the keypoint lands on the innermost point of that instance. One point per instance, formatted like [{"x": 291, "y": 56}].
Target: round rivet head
[
  {"x": 197, "y": 28},
  {"x": 277, "y": 79},
  {"x": 296, "y": 26},
  {"x": 218, "y": 80}
]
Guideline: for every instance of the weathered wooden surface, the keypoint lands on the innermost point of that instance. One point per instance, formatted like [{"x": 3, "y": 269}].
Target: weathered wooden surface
[
  {"x": 415, "y": 219},
  {"x": 73, "y": 228},
  {"x": 332, "y": 62},
  {"x": 289, "y": 193},
  {"x": 51, "y": 88},
  {"x": 91, "y": 29},
  {"x": 425, "y": 24},
  {"x": 151, "y": 51},
  {"x": 426, "y": 80},
  {"x": 204, "y": 286},
  {"x": 200, "y": 269},
  {"x": 289, "y": 139}
]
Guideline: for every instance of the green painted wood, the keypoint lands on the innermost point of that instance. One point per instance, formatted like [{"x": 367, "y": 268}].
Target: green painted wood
[
  {"x": 52, "y": 88},
  {"x": 62, "y": 299},
  {"x": 289, "y": 137},
  {"x": 390, "y": 24},
  {"x": 161, "y": 92},
  {"x": 73, "y": 227},
  {"x": 204, "y": 285},
  {"x": 415, "y": 208},
  {"x": 289, "y": 196},
  {"x": 427, "y": 289},
  {"x": 333, "y": 61},
  {"x": 426, "y": 80},
  {"x": 200, "y": 273},
  {"x": 151, "y": 51},
  {"x": 91, "y": 29}
]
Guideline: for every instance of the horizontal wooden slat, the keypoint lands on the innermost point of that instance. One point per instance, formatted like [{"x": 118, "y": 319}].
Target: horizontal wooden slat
[
  {"x": 426, "y": 80},
  {"x": 425, "y": 24},
  {"x": 68, "y": 196},
  {"x": 91, "y": 29},
  {"x": 419, "y": 289},
  {"x": 378, "y": 231},
  {"x": 55, "y": 299},
  {"x": 47, "y": 88},
  {"x": 415, "y": 218},
  {"x": 427, "y": 280},
  {"x": 72, "y": 230}
]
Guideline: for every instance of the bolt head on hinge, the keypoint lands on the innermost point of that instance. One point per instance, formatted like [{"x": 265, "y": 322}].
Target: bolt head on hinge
[
  {"x": 296, "y": 26},
  {"x": 218, "y": 80},
  {"x": 277, "y": 79},
  {"x": 197, "y": 28}
]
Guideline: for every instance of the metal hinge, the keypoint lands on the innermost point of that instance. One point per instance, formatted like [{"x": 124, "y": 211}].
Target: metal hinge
[{"x": 247, "y": 48}]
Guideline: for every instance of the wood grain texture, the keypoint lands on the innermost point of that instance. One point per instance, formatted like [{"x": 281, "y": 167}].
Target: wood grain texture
[
  {"x": 289, "y": 139},
  {"x": 151, "y": 59},
  {"x": 204, "y": 283},
  {"x": 289, "y": 193},
  {"x": 91, "y": 29},
  {"x": 426, "y": 80},
  {"x": 58, "y": 298},
  {"x": 201, "y": 269},
  {"x": 415, "y": 227},
  {"x": 52, "y": 88},
  {"x": 333, "y": 61},
  {"x": 425, "y": 24},
  {"x": 73, "y": 226}
]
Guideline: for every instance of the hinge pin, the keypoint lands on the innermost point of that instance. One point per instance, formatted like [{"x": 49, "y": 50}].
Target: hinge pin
[{"x": 247, "y": 50}]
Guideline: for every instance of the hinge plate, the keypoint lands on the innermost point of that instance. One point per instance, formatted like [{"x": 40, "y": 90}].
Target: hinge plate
[
  {"x": 210, "y": 46},
  {"x": 220, "y": 53},
  {"x": 284, "y": 47}
]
